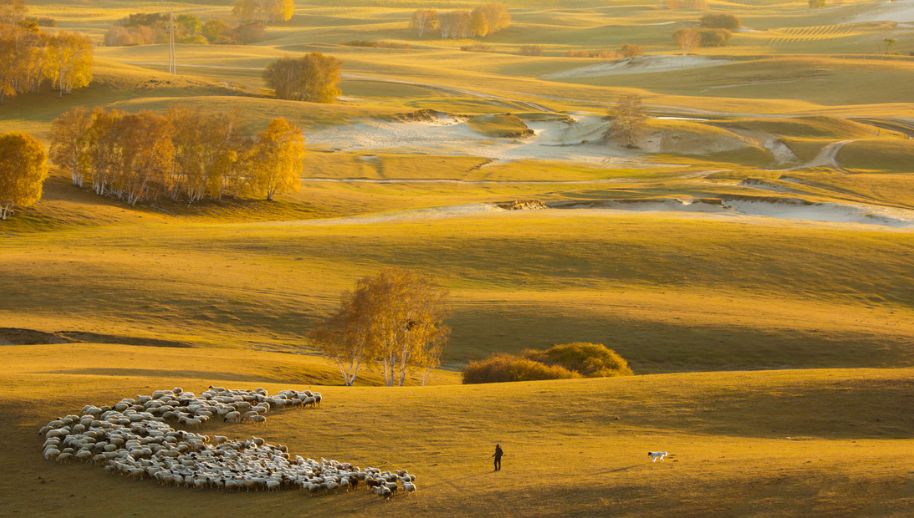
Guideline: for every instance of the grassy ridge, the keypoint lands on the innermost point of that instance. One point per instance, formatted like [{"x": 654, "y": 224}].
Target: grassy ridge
[{"x": 519, "y": 280}]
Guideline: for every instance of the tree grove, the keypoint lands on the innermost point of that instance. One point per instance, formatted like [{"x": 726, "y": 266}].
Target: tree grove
[
  {"x": 393, "y": 320},
  {"x": 32, "y": 59},
  {"x": 179, "y": 155},
  {"x": 313, "y": 77}
]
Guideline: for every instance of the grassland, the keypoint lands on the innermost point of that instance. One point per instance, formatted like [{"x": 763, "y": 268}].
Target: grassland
[
  {"x": 762, "y": 443},
  {"x": 774, "y": 356}
]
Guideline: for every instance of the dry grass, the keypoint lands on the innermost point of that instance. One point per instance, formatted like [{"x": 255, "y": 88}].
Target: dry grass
[{"x": 762, "y": 443}]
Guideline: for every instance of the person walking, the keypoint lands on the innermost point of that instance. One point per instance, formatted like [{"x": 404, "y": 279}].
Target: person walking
[{"x": 497, "y": 456}]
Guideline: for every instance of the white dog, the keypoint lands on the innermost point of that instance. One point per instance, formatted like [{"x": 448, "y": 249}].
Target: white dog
[{"x": 656, "y": 455}]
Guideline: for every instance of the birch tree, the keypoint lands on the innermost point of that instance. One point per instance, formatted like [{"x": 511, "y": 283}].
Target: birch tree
[{"x": 23, "y": 169}]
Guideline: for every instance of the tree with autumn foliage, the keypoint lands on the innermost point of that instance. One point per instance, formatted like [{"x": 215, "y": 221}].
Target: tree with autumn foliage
[
  {"x": 31, "y": 59},
  {"x": 313, "y": 77},
  {"x": 393, "y": 320},
  {"x": 264, "y": 10},
  {"x": 23, "y": 169},
  {"x": 275, "y": 160},
  {"x": 629, "y": 121},
  {"x": 184, "y": 155}
]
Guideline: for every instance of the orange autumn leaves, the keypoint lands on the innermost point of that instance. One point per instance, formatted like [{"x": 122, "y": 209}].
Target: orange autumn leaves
[{"x": 181, "y": 155}]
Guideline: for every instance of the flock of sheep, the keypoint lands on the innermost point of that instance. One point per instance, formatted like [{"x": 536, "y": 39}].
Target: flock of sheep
[{"x": 133, "y": 438}]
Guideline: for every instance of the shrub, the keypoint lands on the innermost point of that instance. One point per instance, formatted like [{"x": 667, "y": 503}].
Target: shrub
[
  {"x": 588, "y": 359},
  {"x": 477, "y": 47},
  {"x": 720, "y": 21},
  {"x": 590, "y": 54},
  {"x": 531, "y": 50},
  {"x": 505, "y": 367},
  {"x": 629, "y": 51},
  {"x": 714, "y": 37},
  {"x": 250, "y": 32}
]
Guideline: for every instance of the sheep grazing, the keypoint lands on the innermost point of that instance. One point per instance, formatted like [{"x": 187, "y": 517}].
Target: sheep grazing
[{"x": 133, "y": 438}]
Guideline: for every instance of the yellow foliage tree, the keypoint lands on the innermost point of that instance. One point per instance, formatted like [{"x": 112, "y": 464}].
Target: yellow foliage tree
[
  {"x": 71, "y": 144},
  {"x": 394, "y": 319},
  {"x": 313, "y": 77},
  {"x": 274, "y": 163},
  {"x": 23, "y": 169}
]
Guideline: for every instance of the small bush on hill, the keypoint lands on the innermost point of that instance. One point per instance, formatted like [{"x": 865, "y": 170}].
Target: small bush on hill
[
  {"x": 505, "y": 367},
  {"x": 714, "y": 37},
  {"x": 720, "y": 21},
  {"x": 629, "y": 51},
  {"x": 589, "y": 359},
  {"x": 603, "y": 54},
  {"x": 531, "y": 50},
  {"x": 574, "y": 360}
]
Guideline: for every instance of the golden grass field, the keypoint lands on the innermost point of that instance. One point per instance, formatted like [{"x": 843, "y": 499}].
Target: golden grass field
[{"x": 774, "y": 355}]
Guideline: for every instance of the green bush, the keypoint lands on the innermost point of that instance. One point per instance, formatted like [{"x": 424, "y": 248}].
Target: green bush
[
  {"x": 588, "y": 359},
  {"x": 720, "y": 21},
  {"x": 714, "y": 37},
  {"x": 505, "y": 367}
]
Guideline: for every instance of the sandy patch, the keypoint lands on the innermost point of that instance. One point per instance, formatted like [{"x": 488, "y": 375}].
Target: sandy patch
[
  {"x": 580, "y": 140},
  {"x": 901, "y": 11},
  {"x": 639, "y": 65}
]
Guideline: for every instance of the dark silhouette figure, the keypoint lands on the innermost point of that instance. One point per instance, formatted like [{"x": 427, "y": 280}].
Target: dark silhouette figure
[{"x": 497, "y": 456}]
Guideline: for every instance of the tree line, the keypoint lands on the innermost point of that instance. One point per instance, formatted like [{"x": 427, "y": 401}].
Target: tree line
[
  {"x": 460, "y": 24},
  {"x": 151, "y": 28},
  {"x": 393, "y": 321},
  {"x": 264, "y": 10},
  {"x": 182, "y": 155},
  {"x": 31, "y": 59}
]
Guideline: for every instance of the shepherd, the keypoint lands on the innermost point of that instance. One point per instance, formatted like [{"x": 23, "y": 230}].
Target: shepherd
[{"x": 497, "y": 456}]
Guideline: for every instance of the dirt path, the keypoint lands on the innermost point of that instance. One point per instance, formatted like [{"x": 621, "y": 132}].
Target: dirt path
[{"x": 827, "y": 157}]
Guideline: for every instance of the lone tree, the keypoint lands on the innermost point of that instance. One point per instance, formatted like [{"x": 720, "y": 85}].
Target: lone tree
[
  {"x": 394, "y": 319},
  {"x": 629, "y": 121},
  {"x": 23, "y": 169},
  {"x": 276, "y": 159},
  {"x": 687, "y": 39},
  {"x": 313, "y": 77}
]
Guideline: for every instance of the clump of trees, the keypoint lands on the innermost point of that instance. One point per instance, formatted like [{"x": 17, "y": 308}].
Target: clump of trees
[
  {"x": 313, "y": 77},
  {"x": 151, "y": 28},
  {"x": 629, "y": 121},
  {"x": 574, "y": 360},
  {"x": 30, "y": 59},
  {"x": 726, "y": 21},
  {"x": 181, "y": 155},
  {"x": 393, "y": 321},
  {"x": 264, "y": 10},
  {"x": 23, "y": 169},
  {"x": 687, "y": 39},
  {"x": 629, "y": 51},
  {"x": 714, "y": 37},
  {"x": 460, "y": 24}
]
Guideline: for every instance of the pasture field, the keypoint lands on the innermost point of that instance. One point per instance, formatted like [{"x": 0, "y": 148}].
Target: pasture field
[
  {"x": 765, "y": 443},
  {"x": 752, "y": 259}
]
